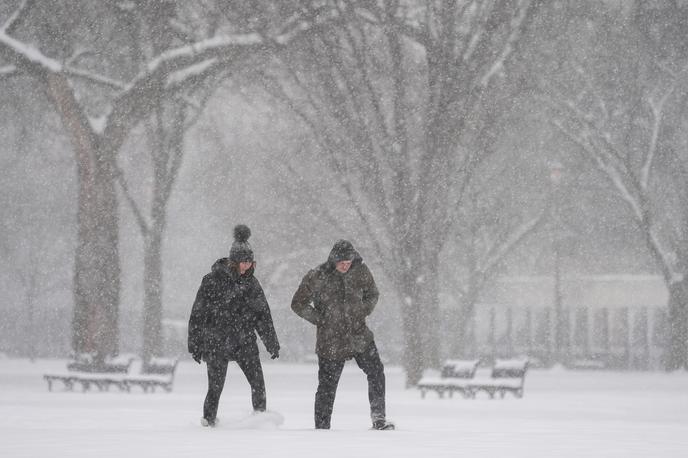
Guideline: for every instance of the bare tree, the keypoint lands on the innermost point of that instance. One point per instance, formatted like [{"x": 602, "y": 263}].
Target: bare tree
[
  {"x": 623, "y": 111},
  {"x": 101, "y": 95},
  {"x": 493, "y": 225},
  {"x": 389, "y": 93},
  {"x": 165, "y": 143}
]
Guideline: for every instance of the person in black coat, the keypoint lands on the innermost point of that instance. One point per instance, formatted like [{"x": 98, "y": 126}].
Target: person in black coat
[{"x": 229, "y": 309}]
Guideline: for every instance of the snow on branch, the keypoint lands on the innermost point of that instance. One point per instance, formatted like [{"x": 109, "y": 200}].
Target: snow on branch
[
  {"x": 179, "y": 68},
  {"x": 657, "y": 110},
  {"x": 624, "y": 192},
  {"x": 8, "y": 70},
  {"x": 200, "y": 48},
  {"x": 98, "y": 123},
  {"x": 610, "y": 171},
  {"x": 26, "y": 54},
  {"x": 180, "y": 76},
  {"x": 193, "y": 54},
  {"x": 94, "y": 77}
]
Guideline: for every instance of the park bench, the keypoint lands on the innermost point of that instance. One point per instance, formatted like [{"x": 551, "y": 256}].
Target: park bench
[
  {"x": 507, "y": 376},
  {"x": 455, "y": 375},
  {"x": 87, "y": 372},
  {"x": 158, "y": 373},
  {"x": 121, "y": 372}
]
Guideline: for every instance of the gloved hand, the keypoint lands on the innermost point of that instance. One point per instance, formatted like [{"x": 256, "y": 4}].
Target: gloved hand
[
  {"x": 197, "y": 357},
  {"x": 274, "y": 354}
]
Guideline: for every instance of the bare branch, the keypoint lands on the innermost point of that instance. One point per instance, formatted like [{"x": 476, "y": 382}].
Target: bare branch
[
  {"x": 499, "y": 251},
  {"x": 517, "y": 24},
  {"x": 135, "y": 209},
  {"x": 657, "y": 110},
  {"x": 181, "y": 31},
  {"x": 372, "y": 14},
  {"x": 301, "y": 191},
  {"x": 476, "y": 29},
  {"x": 375, "y": 96},
  {"x": 175, "y": 152},
  {"x": 17, "y": 17},
  {"x": 78, "y": 53},
  {"x": 354, "y": 121},
  {"x": 609, "y": 171},
  {"x": 149, "y": 85},
  {"x": 587, "y": 79},
  {"x": 95, "y": 78}
]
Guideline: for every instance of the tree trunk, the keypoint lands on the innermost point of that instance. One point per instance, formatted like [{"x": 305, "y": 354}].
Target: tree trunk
[
  {"x": 167, "y": 154},
  {"x": 416, "y": 281},
  {"x": 96, "y": 268},
  {"x": 152, "y": 305},
  {"x": 411, "y": 318},
  {"x": 30, "y": 302},
  {"x": 431, "y": 317},
  {"x": 466, "y": 310},
  {"x": 677, "y": 351}
]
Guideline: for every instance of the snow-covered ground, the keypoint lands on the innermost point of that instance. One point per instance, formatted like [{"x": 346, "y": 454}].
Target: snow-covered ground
[{"x": 571, "y": 414}]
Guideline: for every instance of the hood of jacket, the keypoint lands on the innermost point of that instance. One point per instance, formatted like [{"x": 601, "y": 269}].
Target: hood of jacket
[{"x": 342, "y": 250}]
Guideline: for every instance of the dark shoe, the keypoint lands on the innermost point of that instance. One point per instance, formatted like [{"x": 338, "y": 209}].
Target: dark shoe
[
  {"x": 207, "y": 422},
  {"x": 383, "y": 425}
]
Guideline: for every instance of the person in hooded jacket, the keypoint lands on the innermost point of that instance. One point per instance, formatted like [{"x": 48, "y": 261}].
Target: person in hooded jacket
[
  {"x": 229, "y": 309},
  {"x": 336, "y": 297}
]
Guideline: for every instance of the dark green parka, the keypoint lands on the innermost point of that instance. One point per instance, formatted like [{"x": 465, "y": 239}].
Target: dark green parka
[
  {"x": 228, "y": 311},
  {"x": 338, "y": 304}
]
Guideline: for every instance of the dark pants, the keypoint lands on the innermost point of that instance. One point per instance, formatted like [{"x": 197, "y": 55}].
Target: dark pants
[
  {"x": 329, "y": 372},
  {"x": 217, "y": 371}
]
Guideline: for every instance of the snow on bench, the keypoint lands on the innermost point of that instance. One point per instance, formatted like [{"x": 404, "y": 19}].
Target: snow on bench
[
  {"x": 454, "y": 376},
  {"x": 158, "y": 373},
  {"x": 507, "y": 376},
  {"x": 88, "y": 373},
  {"x": 86, "y": 362}
]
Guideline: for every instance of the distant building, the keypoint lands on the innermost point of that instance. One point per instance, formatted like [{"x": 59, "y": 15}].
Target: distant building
[
  {"x": 617, "y": 321},
  {"x": 611, "y": 291}
]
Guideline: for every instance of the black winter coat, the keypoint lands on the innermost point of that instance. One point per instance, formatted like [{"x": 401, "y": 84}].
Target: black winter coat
[{"x": 228, "y": 311}]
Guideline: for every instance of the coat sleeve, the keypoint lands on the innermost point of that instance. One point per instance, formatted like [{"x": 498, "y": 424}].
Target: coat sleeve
[
  {"x": 264, "y": 325},
  {"x": 302, "y": 302},
  {"x": 370, "y": 292},
  {"x": 198, "y": 318}
]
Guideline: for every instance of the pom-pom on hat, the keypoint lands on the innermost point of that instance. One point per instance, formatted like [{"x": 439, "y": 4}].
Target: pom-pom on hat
[{"x": 241, "y": 250}]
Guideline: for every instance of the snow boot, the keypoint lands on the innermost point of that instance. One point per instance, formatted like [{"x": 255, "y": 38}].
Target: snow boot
[
  {"x": 383, "y": 425},
  {"x": 207, "y": 422}
]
